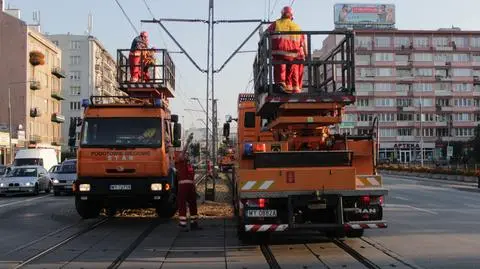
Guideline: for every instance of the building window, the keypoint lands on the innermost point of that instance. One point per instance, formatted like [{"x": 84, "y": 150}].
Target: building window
[
  {"x": 382, "y": 87},
  {"x": 384, "y": 72},
  {"x": 388, "y": 132},
  {"x": 475, "y": 42},
  {"x": 364, "y": 87},
  {"x": 401, "y": 58},
  {"x": 463, "y": 131},
  {"x": 386, "y": 117},
  {"x": 460, "y": 41},
  {"x": 404, "y": 102},
  {"x": 403, "y": 87},
  {"x": 463, "y": 102},
  {"x": 362, "y": 102},
  {"x": 402, "y": 41},
  {"x": 463, "y": 87},
  {"x": 460, "y": 57},
  {"x": 440, "y": 42},
  {"x": 441, "y": 73},
  {"x": 424, "y": 102},
  {"x": 462, "y": 117},
  {"x": 74, "y": 75},
  {"x": 382, "y": 41},
  {"x": 427, "y": 132},
  {"x": 424, "y": 72},
  {"x": 442, "y": 102},
  {"x": 404, "y": 73},
  {"x": 442, "y": 57},
  {"x": 75, "y": 90},
  {"x": 362, "y": 59},
  {"x": 428, "y": 117},
  {"x": 476, "y": 58},
  {"x": 423, "y": 57},
  {"x": 75, "y": 106},
  {"x": 422, "y": 87},
  {"x": 420, "y": 42},
  {"x": 384, "y": 102},
  {"x": 405, "y": 132},
  {"x": 367, "y": 72},
  {"x": 383, "y": 57},
  {"x": 75, "y": 44},
  {"x": 74, "y": 60},
  {"x": 364, "y": 41},
  {"x": 405, "y": 117},
  {"x": 365, "y": 117}
]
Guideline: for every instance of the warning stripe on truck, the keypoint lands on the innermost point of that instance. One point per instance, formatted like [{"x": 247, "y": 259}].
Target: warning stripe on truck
[
  {"x": 256, "y": 185},
  {"x": 368, "y": 181}
]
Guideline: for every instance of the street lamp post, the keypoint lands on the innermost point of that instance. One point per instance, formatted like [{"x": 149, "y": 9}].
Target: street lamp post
[
  {"x": 421, "y": 131},
  {"x": 10, "y": 132}
]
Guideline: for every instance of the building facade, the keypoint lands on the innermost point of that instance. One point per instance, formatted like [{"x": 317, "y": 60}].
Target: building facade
[
  {"x": 424, "y": 87},
  {"x": 33, "y": 92},
  {"x": 90, "y": 70}
]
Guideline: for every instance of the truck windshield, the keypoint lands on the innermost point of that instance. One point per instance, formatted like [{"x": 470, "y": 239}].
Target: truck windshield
[{"x": 122, "y": 132}]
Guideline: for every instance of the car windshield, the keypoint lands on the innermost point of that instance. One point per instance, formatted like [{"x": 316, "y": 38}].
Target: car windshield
[
  {"x": 68, "y": 168},
  {"x": 54, "y": 169},
  {"x": 23, "y": 172},
  {"x": 3, "y": 169},
  {"x": 122, "y": 132},
  {"x": 28, "y": 161}
]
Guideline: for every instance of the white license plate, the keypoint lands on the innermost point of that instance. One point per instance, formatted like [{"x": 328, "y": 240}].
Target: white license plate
[
  {"x": 271, "y": 213},
  {"x": 14, "y": 188},
  {"x": 120, "y": 187}
]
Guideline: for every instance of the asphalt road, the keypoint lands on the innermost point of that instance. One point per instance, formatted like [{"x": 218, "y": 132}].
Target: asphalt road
[{"x": 431, "y": 225}]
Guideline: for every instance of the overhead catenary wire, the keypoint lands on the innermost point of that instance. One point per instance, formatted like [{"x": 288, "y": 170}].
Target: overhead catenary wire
[
  {"x": 273, "y": 8},
  {"x": 127, "y": 17}
]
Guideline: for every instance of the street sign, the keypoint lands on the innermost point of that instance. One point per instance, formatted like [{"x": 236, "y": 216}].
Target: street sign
[
  {"x": 449, "y": 151},
  {"x": 347, "y": 125}
]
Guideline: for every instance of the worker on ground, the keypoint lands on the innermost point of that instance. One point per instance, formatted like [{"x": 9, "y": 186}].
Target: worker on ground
[
  {"x": 186, "y": 193},
  {"x": 140, "y": 42},
  {"x": 298, "y": 68},
  {"x": 285, "y": 47}
]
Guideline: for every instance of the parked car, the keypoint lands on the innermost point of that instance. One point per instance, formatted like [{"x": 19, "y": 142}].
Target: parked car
[
  {"x": 3, "y": 170},
  {"x": 53, "y": 171},
  {"x": 64, "y": 177},
  {"x": 30, "y": 179}
]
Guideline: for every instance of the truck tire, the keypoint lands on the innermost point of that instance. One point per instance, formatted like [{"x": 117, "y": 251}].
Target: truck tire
[
  {"x": 87, "y": 209},
  {"x": 111, "y": 211},
  {"x": 355, "y": 233},
  {"x": 56, "y": 193},
  {"x": 167, "y": 208}
]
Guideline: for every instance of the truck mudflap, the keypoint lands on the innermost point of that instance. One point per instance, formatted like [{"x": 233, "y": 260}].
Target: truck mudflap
[{"x": 358, "y": 225}]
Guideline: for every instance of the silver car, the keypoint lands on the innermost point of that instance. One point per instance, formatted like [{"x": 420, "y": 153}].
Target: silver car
[
  {"x": 64, "y": 177},
  {"x": 53, "y": 171},
  {"x": 30, "y": 179}
]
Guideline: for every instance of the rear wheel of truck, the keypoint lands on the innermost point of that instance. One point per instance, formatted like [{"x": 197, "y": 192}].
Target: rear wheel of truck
[
  {"x": 56, "y": 193},
  {"x": 167, "y": 208},
  {"x": 355, "y": 233},
  {"x": 110, "y": 211},
  {"x": 87, "y": 209}
]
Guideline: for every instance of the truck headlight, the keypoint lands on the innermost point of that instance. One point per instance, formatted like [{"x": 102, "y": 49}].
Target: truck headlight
[
  {"x": 55, "y": 181},
  {"x": 84, "y": 187},
  {"x": 156, "y": 187},
  {"x": 2, "y": 185}
]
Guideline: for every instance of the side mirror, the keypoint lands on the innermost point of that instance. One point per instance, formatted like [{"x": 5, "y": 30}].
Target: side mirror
[
  {"x": 174, "y": 118},
  {"x": 226, "y": 130},
  {"x": 177, "y": 131}
]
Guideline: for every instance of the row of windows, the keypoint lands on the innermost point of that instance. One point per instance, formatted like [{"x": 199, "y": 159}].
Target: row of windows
[
  {"x": 408, "y": 102},
  {"x": 424, "y": 117},
  {"x": 417, "y": 42},
  {"x": 362, "y": 59},
  {"x": 75, "y": 106},
  {"x": 420, "y": 72},
  {"x": 428, "y": 132},
  {"x": 418, "y": 87}
]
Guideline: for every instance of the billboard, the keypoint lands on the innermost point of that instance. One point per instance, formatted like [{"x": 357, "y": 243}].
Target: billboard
[{"x": 364, "y": 14}]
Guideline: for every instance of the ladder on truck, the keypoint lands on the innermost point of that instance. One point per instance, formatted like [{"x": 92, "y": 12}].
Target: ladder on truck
[{"x": 329, "y": 83}]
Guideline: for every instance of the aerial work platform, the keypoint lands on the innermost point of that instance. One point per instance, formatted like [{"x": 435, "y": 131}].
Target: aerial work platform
[
  {"x": 157, "y": 73},
  {"x": 329, "y": 78}
]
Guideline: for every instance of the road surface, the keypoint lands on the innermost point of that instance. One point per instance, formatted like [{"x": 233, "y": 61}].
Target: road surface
[{"x": 431, "y": 225}]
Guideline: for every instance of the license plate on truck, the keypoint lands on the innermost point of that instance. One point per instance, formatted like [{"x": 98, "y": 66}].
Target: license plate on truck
[
  {"x": 271, "y": 213},
  {"x": 120, "y": 187}
]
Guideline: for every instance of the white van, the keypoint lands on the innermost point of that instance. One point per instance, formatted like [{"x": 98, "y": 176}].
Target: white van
[{"x": 44, "y": 157}]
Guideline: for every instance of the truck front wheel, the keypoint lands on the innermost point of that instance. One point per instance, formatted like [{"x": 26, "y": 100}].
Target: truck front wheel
[
  {"x": 167, "y": 208},
  {"x": 87, "y": 209},
  {"x": 355, "y": 233}
]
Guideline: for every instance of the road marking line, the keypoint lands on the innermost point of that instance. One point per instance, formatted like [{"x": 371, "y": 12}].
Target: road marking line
[
  {"x": 411, "y": 207},
  {"x": 401, "y": 198},
  {"x": 24, "y": 201}
]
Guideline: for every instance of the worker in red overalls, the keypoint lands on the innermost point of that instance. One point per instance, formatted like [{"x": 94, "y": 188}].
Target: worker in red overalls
[
  {"x": 284, "y": 48},
  {"x": 186, "y": 193},
  {"x": 135, "y": 56}
]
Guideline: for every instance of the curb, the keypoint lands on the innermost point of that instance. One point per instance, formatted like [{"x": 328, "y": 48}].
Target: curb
[{"x": 454, "y": 178}]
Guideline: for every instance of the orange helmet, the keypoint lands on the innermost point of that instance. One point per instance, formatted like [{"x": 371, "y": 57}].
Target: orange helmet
[{"x": 287, "y": 12}]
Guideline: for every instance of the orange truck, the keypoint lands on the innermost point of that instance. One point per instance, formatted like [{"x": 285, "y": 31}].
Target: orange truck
[
  {"x": 126, "y": 149},
  {"x": 226, "y": 161},
  {"x": 296, "y": 169}
]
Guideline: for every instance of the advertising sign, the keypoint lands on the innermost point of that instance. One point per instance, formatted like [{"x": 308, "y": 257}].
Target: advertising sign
[{"x": 364, "y": 14}]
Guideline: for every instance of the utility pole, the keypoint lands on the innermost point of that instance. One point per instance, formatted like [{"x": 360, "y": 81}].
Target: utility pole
[
  {"x": 10, "y": 132},
  {"x": 421, "y": 131}
]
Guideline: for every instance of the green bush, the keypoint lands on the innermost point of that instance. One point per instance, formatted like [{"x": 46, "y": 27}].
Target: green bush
[{"x": 428, "y": 170}]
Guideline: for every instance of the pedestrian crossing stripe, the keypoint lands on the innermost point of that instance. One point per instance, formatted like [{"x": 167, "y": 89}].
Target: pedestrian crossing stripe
[
  {"x": 256, "y": 185},
  {"x": 368, "y": 181}
]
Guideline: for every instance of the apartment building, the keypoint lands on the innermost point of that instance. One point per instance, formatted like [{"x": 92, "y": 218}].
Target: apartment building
[
  {"x": 424, "y": 86},
  {"x": 90, "y": 70},
  {"x": 34, "y": 92}
]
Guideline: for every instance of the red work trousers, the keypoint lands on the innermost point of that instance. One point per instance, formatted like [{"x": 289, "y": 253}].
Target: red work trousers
[
  {"x": 187, "y": 194},
  {"x": 135, "y": 69},
  {"x": 297, "y": 77},
  {"x": 282, "y": 73}
]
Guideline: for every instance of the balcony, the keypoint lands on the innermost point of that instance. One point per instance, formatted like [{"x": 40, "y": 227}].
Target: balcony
[
  {"x": 364, "y": 124},
  {"x": 58, "y": 72},
  {"x": 35, "y": 112},
  {"x": 34, "y": 139},
  {"x": 35, "y": 85},
  {"x": 447, "y": 108},
  {"x": 56, "y": 141},
  {"x": 58, "y": 118},
  {"x": 406, "y": 138},
  {"x": 476, "y": 80},
  {"x": 409, "y": 109},
  {"x": 57, "y": 95}
]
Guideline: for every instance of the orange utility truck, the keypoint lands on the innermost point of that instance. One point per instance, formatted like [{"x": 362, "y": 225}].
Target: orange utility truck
[
  {"x": 126, "y": 150},
  {"x": 297, "y": 169}
]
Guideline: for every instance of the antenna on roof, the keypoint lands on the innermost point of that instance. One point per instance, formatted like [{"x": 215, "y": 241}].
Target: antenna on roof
[
  {"x": 90, "y": 23},
  {"x": 36, "y": 17}
]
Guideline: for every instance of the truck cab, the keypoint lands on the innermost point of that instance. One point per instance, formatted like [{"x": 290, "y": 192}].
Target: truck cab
[{"x": 125, "y": 155}]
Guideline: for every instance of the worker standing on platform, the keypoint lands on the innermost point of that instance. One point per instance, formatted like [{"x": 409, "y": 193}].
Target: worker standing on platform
[
  {"x": 285, "y": 47},
  {"x": 135, "y": 57},
  {"x": 186, "y": 193}
]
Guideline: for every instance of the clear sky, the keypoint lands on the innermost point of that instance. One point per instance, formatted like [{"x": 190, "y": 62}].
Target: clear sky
[{"x": 113, "y": 30}]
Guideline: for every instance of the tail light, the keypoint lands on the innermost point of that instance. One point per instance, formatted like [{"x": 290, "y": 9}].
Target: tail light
[
  {"x": 259, "y": 203},
  {"x": 365, "y": 200}
]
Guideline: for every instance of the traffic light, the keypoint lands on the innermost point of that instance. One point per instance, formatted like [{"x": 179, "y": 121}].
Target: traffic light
[{"x": 226, "y": 130}]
